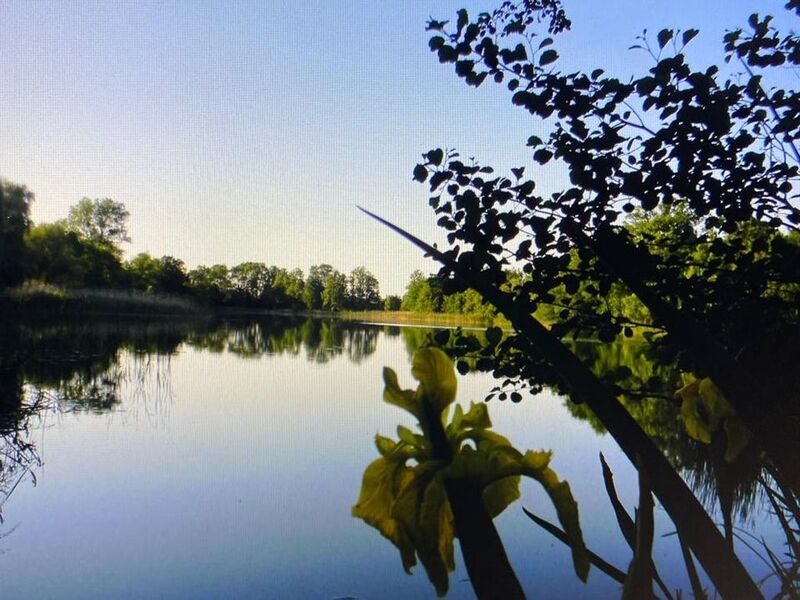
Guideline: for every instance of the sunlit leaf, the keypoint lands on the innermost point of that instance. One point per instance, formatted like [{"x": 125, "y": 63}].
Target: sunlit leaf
[
  {"x": 385, "y": 445},
  {"x": 477, "y": 416},
  {"x": 705, "y": 410},
  {"x": 412, "y": 439},
  {"x": 565, "y": 505},
  {"x": 418, "y": 508},
  {"x": 410, "y": 506},
  {"x": 434, "y": 370},
  {"x": 500, "y": 495},
  {"x": 405, "y": 399},
  {"x": 382, "y": 481}
]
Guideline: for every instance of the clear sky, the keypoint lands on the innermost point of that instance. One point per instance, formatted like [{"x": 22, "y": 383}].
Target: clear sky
[{"x": 239, "y": 131}]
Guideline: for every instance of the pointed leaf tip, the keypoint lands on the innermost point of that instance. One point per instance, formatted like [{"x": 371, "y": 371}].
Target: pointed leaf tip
[{"x": 434, "y": 370}]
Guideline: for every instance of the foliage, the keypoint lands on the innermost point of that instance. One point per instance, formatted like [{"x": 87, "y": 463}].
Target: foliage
[
  {"x": 423, "y": 294},
  {"x": 315, "y": 283},
  {"x": 102, "y": 220},
  {"x": 706, "y": 412},
  {"x": 706, "y": 164},
  {"x": 408, "y": 503},
  {"x": 287, "y": 290},
  {"x": 362, "y": 291},
  {"x": 212, "y": 284},
  {"x": 334, "y": 292},
  {"x": 426, "y": 294},
  {"x": 672, "y": 137},
  {"x": 721, "y": 297},
  {"x": 165, "y": 275},
  {"x": 392, "y": 303},
  {"x": 58, "y": 256},
  {"x": 15, "y": 204}
]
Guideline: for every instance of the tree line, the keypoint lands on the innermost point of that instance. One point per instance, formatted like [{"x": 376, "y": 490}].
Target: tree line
[{"x": 85, "y": 251}]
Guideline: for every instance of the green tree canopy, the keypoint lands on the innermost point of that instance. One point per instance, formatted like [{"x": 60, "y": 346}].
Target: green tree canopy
[
  {"x": 423, "y": 294},
  {"x": 314, "y": 284},
  {"x": 251, "y": 281},
  {"x": 334, "y": 292},
  {"x": 166, "y": 275},
  {"x": 15, "y": 204},
  {"x": 363, "y": 291},
  {"x": 212, "y": 284},
  {"x": 101, "y": 220},
  {"x": 721, "y": 294},
  {"x": 62, "y": 257}
]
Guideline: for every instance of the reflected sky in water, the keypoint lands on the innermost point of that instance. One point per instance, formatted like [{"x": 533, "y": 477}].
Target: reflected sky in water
[{"x": 223, "y": 474}]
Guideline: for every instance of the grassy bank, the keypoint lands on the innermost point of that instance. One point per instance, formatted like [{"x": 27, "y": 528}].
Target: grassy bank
[
  {"x": 411, "y": 318},
  {"x": 41, "y": 300},
  {"x": 46, "y": 300}
]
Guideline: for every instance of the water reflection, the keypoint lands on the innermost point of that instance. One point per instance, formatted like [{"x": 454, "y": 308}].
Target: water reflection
[
  {"x": 121, "y": 366},
  {"x": 77, "y": 365}
]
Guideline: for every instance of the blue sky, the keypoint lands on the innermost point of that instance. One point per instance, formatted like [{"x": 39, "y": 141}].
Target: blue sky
[{"x": 239, "y": 131}]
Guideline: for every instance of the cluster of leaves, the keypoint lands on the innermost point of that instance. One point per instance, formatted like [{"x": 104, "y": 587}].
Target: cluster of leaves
[
  {"x": 404, "y": 492},
  {"x": 427, "y": 295},
  {"x": 706, "y": 413},
  {"x": 102, "y": 221},
  {"x": 15, "y": 204},
  {"x": 684, "y": 140}
]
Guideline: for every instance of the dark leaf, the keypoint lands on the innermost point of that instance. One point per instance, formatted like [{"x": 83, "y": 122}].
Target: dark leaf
[
  {"x": 535, "y": 141},
  {"x": 664, "y": 36},
  {"x": 542, "y": 156},
  {"x": 689, "y": 35},
  {"x": 547, "y": 57}
]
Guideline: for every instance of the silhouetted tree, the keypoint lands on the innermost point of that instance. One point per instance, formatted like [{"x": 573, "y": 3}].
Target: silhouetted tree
[
  {"x": 723, "y": 148},
  {"x": 15, "y": 203}
]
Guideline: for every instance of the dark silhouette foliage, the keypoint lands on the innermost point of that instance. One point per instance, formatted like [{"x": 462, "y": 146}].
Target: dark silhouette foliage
[
  {"x": 720, "y": 295},
  {"x": 15, "y": 204}
]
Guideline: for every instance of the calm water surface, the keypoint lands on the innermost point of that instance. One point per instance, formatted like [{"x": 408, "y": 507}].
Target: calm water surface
[{"x": 223, "y": 461}]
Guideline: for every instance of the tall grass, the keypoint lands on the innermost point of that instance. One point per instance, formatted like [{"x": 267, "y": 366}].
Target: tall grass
[
  {"x": 412, "y": 318},
  {"x": 39, "y": 298}
]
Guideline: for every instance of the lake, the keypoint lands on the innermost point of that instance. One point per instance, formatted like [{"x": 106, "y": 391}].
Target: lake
[{"x": 210, "y": 459}]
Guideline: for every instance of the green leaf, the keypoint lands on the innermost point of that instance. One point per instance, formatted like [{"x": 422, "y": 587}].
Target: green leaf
[
  {"x": 419, "y": 508},
  {"x": 405, "y": 399},
  {"x": 566, "y": 507},
  {"x": 434, "y": 370},
  {"x": 385, "y": 445},
  {"x": 412, "y": 439},
  {"x": 477, "y": 417},
  {"x": 500, "y": 495},
  {"x": 704, "y": 410},
  {"x": 382, "y": 481}
]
